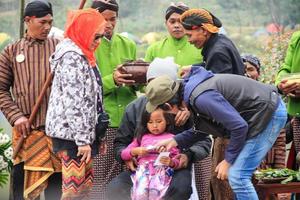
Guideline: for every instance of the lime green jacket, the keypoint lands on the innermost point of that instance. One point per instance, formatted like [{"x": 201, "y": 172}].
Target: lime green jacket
[
  {"x": 291, "y": 65},
  {"x": 109, "y": 55},
  {"x": 183, "y": 52}
]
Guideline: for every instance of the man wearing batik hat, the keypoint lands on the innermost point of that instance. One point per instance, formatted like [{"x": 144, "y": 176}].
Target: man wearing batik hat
[
  {"x": 176, "y": 44},
  {"x": 219, "y": 53},
  {"x": 220, "y": 56},
  {"x": 113, "y": 51},
  {"x": 24, "y": 66}
]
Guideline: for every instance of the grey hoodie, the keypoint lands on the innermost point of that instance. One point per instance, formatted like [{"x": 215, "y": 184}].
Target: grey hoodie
[{"x": 72, "y": 110}]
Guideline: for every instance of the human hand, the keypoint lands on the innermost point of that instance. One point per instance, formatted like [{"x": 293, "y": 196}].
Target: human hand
[
  {"x": 182, "y": 115},
  {"x": 84, "y": 151},
  {"x": 131, "y": 164},
  {"x": 185, "y": 71},
  {"x": 139, "y": 151},
  {"x": 165, "y": 145},
  {"x": 222, "y": 170},
  {"x": 294, "y": 94},
  {"x": 183, "y": 161},
  {"x": 288, "y": 88},
  {"x": 122, "y": 79},
  {"x": 167, "y": 161},
  {"x": 22, "y": 126}
]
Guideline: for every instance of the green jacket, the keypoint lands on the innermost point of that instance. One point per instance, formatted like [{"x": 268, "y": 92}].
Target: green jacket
[
  {"x": 109, "y": 55},
  {"x": 183, "y": 52},
  {"x": 291, "y": 65}
]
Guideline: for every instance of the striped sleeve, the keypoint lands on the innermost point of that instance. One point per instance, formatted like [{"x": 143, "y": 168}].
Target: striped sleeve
[{"x": 7, "y": 104}]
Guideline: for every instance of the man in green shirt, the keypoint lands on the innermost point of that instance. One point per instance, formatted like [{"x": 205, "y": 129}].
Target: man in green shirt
[
  {"x": 291, "y": 65},
  {"x": 113, "y": 51},
  {"x": 291, "y": 87},
  {"x": 176, "y": 45}
]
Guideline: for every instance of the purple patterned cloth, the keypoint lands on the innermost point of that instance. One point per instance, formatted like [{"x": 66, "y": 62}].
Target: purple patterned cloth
[{"x": 150, "y": 182}]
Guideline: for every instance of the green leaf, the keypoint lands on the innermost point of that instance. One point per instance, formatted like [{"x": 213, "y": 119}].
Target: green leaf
[
  {"x": 289, "y": 179},
  {"x": 298, "y": 176},
  {"x": 3, "y": 178}
]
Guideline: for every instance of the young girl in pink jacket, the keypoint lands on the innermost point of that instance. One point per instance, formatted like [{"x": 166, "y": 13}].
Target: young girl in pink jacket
[{"x": 152, "y": 177}]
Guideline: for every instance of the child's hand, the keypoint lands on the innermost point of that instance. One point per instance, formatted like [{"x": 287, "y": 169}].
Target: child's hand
[
  {"x": 139, "y": 151},
  {"x": 166, "y": 161},
  {"x": 131, "y": 164}
]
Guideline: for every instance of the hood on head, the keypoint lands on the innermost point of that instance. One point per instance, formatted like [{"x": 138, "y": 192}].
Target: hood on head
[{"x": 61, "y": 49}]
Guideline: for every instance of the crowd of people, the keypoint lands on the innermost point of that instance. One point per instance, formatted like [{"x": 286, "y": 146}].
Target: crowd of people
[{"x": 198, "y": 132}]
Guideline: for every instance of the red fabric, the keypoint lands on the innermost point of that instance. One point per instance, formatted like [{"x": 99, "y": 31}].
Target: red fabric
[
  {"x": 291, "y": 157},
  {"x": 81, "y": 27}
]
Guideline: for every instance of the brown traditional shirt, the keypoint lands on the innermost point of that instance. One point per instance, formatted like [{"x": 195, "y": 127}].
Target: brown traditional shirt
[{"x": 24, "y": 67}]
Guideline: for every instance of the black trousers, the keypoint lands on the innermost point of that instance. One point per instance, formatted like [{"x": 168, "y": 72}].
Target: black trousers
[
  {"x": 180, "y": 187},
  {"x": 52, "y": 192}
]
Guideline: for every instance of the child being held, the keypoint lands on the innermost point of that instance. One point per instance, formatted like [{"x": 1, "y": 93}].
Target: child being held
[{"x": 151, "y": 181}]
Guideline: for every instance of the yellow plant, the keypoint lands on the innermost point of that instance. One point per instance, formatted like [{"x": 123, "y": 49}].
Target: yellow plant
[{"x": 4, "y": 37}]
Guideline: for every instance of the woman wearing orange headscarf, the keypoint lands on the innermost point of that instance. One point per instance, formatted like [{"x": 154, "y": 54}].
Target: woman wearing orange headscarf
[{"x": 76, "y": 101}]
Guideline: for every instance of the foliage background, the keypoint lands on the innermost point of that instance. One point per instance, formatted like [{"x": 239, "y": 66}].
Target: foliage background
[{"x": 240, "y": 18}]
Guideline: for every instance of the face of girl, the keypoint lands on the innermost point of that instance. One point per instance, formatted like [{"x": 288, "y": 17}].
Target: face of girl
[{"x": 157, "y": 123}]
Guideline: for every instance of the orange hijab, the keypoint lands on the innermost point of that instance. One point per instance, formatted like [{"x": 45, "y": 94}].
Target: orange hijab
[{"x": 81, "y": 27}]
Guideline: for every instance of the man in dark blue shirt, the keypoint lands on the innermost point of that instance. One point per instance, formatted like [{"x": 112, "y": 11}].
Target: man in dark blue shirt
[
  {"x": 225, "y": 105},
  {"x": 221, "y": 57}
]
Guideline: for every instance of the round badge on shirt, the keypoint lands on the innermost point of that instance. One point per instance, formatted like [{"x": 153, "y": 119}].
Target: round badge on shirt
[{"x": 20, "y": 58}]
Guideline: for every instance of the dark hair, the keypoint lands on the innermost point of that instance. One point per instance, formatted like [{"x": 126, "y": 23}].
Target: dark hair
[
  {"x": 105, "y": 5},
  {"x": 253, "y": 60},
  {"x": 145, "y": 117}
]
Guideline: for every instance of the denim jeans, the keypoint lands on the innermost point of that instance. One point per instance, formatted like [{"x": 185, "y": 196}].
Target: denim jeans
[{"x": 253, "y": 152}]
